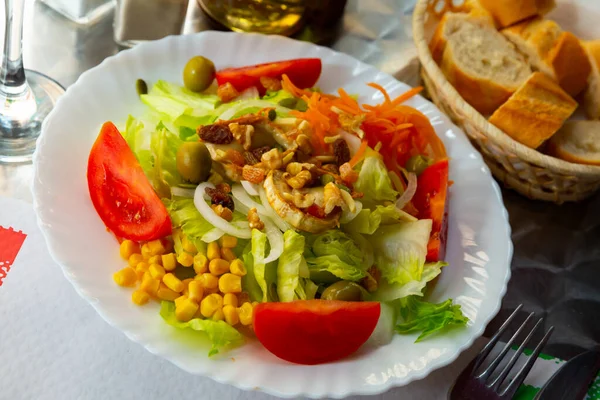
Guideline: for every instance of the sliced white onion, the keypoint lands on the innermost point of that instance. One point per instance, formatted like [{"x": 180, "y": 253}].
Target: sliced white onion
[
  {"x": 212, "y": 235},
  {"x": 213, "y": 218},
  {"x": 348, "y": 216},
  {"x": 248, "y": 94},
  {"x": 182, "y": 192},
  {"x": 404, "y": 216},
  {"x": 230, "y": 112},
  {"x": 251, "y": 188},
  {"x": 241, "y": 224},
  {"x": 242, "y": 196},
  {"x": 283, "y": 225},
  {"x": 275, "y": 240},
  {"x": 410, "y": 191}
]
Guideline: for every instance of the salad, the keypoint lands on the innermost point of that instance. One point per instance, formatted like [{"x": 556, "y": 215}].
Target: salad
[{"x": 251, "y": 204}]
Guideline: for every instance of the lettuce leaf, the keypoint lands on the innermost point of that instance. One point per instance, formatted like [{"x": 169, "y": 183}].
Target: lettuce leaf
[
  {"x": 389, "y": 292},
  {"x": 249, "y": 282},
  {"x": 259, "y": 248},
  {"x": 400, "y": 250},
  {"x": 276, "y": 96},
  {"x": 172, "y": 101},
  {"x": 185, "y": 215},
  {"x": 334, "y": 255},
  {"x": 288, "y": 267},
  {"x": 374, "y": 182},
  {"x": 421, "y": 316},
  {"x": 221, "y": 334},
  {"x": 137, "y": 137},
  {"x": 368, "y": 221},
  {"x": 164, "y": 145}
]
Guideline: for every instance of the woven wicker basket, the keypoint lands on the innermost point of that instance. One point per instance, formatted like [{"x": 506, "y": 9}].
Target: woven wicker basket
[{"x": 528, "y": 171}]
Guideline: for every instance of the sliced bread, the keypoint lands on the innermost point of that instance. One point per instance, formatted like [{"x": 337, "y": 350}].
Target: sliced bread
[
  {"x": 578, "y": 142},
  {"x": 451, "y": 23},
  {"x": 592, "y": 94},
  {"x": 508, "y": 12},
  {"x": 534, "y": 112},
  {"x": 549, "y": 49},
  {"x": 482, "y": 65}
]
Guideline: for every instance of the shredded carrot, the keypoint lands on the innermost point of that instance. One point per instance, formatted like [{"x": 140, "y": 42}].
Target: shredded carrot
[
  {"x": 407, "y": 95},
  {"x": 359, "y": 154},
  {"x": 382, "y": 90}
]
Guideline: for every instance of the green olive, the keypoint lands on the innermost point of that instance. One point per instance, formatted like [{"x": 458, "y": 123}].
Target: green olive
[
  {"x": 194, "y": 162},
  {"x": 301, "y": 105},
  {"x": 417, "y": 164},
  {"x": 198, "y": 73},
  {"x": 343, "y": 290},
  {"x": 288, "y": 102}
]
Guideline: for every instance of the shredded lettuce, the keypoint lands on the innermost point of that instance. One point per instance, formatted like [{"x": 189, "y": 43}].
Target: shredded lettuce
[
  {"x": 185, "y": 215},
  {"x": 164, "y": 145},
  {"x": 276, "y": 96},
  {"x": 374, "y": 181},
  {"x": 259, "y": 249},
  {"x": 137, "y": 136},
  {"x": 400, "y": 250},
  {"x": 221, "y": 334},
  {"x": 249, "y": 282},
  {"x": 368, "y": 221},
  {"x": 288, "y": 267},
  {"x": 393, "y": 291},
  {"x": 172, "y": 101},
  {"x": 334, "y": 255},
  {"x": 421, "y": 316}
]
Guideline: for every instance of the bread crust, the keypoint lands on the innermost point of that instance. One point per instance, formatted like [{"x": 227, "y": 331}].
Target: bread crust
[
  {"x": 591, "y": 99},
  {"x": 535, "y": 111},
  {"x": 576, "y": 133},
  {"x": 509, "y": 12}
]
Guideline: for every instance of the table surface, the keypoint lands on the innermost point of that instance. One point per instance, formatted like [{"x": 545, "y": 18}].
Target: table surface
[{"x": 555, "y": 269}]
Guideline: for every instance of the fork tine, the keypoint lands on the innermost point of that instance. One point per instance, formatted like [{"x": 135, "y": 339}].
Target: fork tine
[
  {"x": 520, "y": 377},
  {"x": 492, "y": 367},
  {"x": 498, "y": 381},
  {"x": 490, "y": 345}
]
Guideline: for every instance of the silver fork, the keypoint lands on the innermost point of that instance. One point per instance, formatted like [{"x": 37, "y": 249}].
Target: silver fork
[{"x": 474, "y": 385}]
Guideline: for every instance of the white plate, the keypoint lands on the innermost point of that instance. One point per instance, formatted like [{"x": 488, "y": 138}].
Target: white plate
[{"x": 479, "y": 246}]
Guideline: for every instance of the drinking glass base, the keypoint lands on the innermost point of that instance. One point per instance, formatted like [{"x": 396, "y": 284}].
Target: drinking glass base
[{"x": 21, "y": 119}]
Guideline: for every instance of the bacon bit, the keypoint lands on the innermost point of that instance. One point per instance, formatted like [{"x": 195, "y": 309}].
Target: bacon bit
[
  {"x": 316, "y": 211},
  {"x": 357, "y": 195},
  {"x": 359, "y": 154},
  {"x": 227, "y": 92}
]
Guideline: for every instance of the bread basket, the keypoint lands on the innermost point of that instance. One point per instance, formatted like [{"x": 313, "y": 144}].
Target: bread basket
[{"x": 521, "y": 168}]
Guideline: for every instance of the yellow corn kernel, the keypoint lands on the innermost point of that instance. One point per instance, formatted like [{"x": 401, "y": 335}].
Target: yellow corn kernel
[
  {"x": 228, "y": 254},
  {"x": 230, "y": 283},
  {"x": 185, "y": 310},
  {"x": 208, "y": 281},
  {"x": 213, "y": 252},
  {"x": 195, "y": 291},
  {"x": 149, "y": 284},
  {"x": 230, "y": 299},
  {"x": 200, "y": 263},
  {"x": 186, "y": 259},
  {"x": 127, "y": 248},
  {"x": 231, "y": 314},
  {"x": 245, "y": 313},
  {"x": 179, "y": 300},
  {"x": 157, "y": 259},
  {"x": 218, "y": 315},
  {"x": 173, "y": 282},
  {"x": 228, "y": 242},
  {"x": 141, "y": 269},
  {"x": 156, "y": 247},
  {"x": 237, "y": 267},
  {"x": 166, "y": 293},
  {"x": 210, "y": 304},
  {"x": 125, "y": 277},
  {"x": 146, "y": 251},
  {"x": 140, "y": 297},
  {"x": 218, "y": 266},
  {"x": 186, "y": 283},
  {"x": 135, "y": 259},
  {"x": 169, "y": 261},
  {"x": 156, "y": 271},
  {"x": 187, "y": 245}
]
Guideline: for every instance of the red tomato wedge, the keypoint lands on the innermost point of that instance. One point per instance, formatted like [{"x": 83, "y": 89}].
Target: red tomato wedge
[
  {"x": 315, "y": 331},
  {"x": 303, "y": 72},
  {"x": 121, "y": 193},
  {"x": 430, "y": 201}
]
